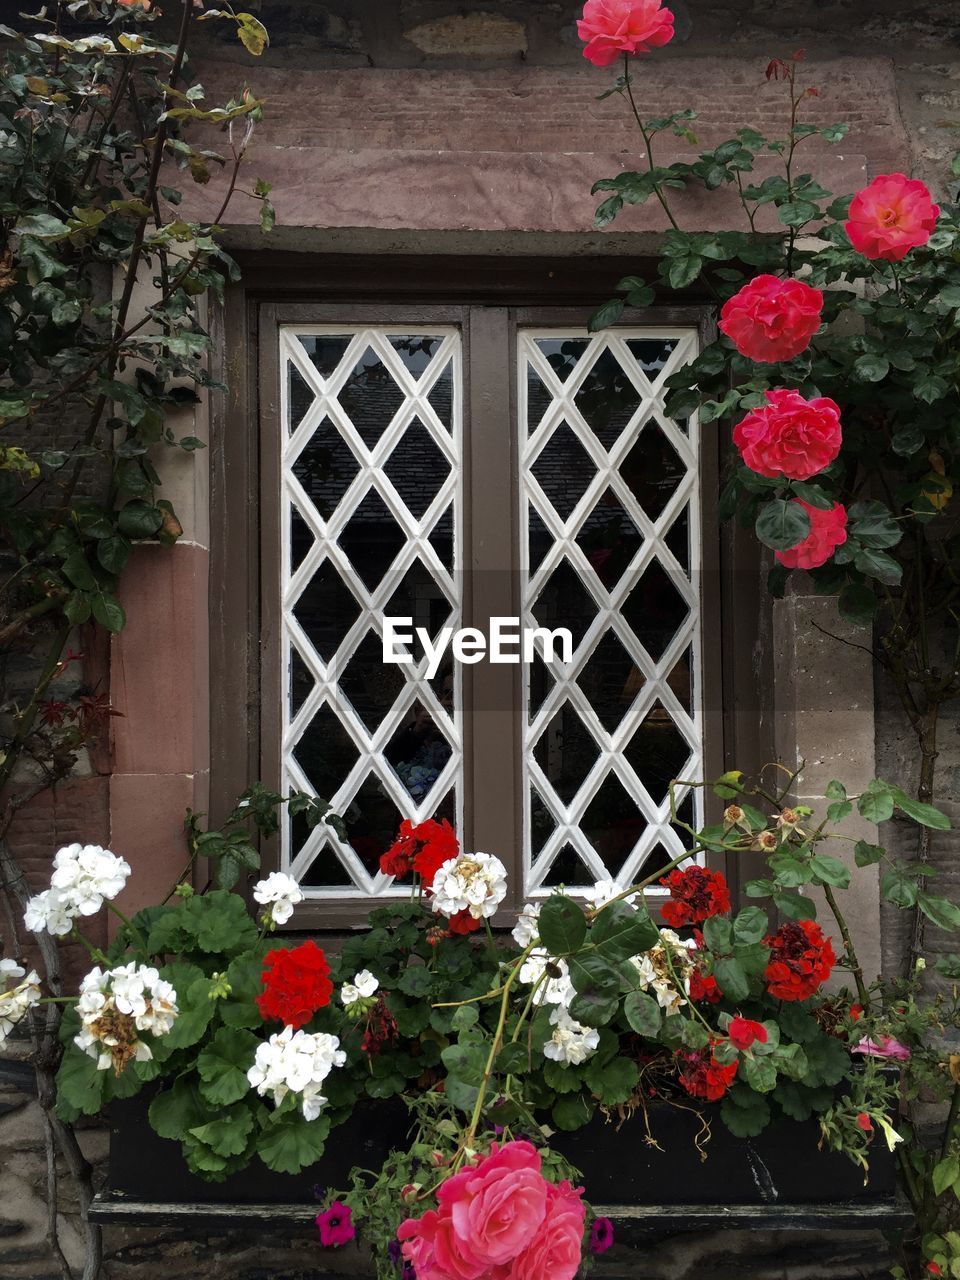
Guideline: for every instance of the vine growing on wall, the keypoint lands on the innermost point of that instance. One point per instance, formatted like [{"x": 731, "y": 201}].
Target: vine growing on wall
[{"x": 104, "y": 275}]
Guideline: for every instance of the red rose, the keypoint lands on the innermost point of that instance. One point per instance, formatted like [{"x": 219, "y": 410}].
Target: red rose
[
  {"x": 615, "y": 27},
  {"x": 742, "y": 1033},
  {"x": 696, "y": 895},
  {"x": 789, "y": 436},
  {"x": 702, "y": 1076},
  {"x": 828, "y": 530},
  {"x": 890, "y": 217},
  {"x": 295, "y": 984},
  {"x": 801, "y": 959},
  {"x": 772, "y": 319}
]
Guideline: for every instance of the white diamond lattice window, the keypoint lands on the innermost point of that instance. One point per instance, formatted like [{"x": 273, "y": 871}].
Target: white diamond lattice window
[
  {"x": 371, "y": 525},
  {"x": 610, "y": 539}
]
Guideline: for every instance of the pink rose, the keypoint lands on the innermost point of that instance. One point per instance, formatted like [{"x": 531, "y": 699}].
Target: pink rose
[
  {"x": 828, "y": 530},
  {"x": 498, "y": 1204},
  {"x": 789, "y": 436},
  {"x": 772, "y": 319},
  {"x": 613, "y": 27},
  {"x": 557, "y": 1249},
  {"x": 883, "y": 1047},
  {"x": 890, "y": 217},
  {"x": 430, "y": 1245}
]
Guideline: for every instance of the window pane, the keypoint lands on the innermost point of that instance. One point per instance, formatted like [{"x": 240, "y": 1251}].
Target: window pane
[
  {"x": 370, "y": 526},
  {"x": 609, "y": 539}
]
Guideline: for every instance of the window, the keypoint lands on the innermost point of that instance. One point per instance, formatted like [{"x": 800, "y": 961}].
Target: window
[{"x": 453, "y": 464}]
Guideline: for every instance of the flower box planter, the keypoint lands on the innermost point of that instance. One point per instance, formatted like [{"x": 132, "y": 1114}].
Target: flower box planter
[{"x": 778, "y": 1178}]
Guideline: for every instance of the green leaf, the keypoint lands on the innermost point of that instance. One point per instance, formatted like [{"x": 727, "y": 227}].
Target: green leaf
[
  {"x": 108, "y": 611},
  {"x": 866, "y": 855},
  {"x": 252, "y": 33},
  {"x": 613, "y": 1082},
  {"x": 925, "y": 814},
  {"x": 288, "y": 1143},
  {"x": 619, "y": 932},
  {"x": 759, "y": 1073},
  {"x": 830, "y": 870},
  {"x": 943, "y": 913},
  {"x": 79, "y": 1083},
  {"x": 750, "y": 925},
  {"x": 795, "y": 905},
  {"x": 138, "y": 519},
  {"x": 194, "y": 1003},
  {"x": 731, "y": 978},
  {"x": 228, "y": 1135},
  {"x": 642, "y": 1013},
  {"x": 572, "y": 1111},
  {"x": 900, "y": 887},
  {"x": 465, "y": 1061},
  {"x": 43, "y": 226},
  {"x": 597, "y": 984},
  {"x": 223, "y": 1065},
  {"x": 75, "y": 567},
  {"x": 180, "y": 1108},
  {"x": 745, "y": 1121},
  {"x": 782, "y": 524},
  {"x": 77, "y": 608},
  {"x": 684, "y": 270},
  {"x": 113, "y": 553},
  {"x": 718, "y": 933},
  {"x": 562, "y": 925},
  {"x": 857, "y": 603},
  {"x": 876, "y": 802},
  {"x": 606, "y": 315},
  {"x": 870, "y": 368},
  {"x": 877, "y": 564},
  {"x": 945, "y": 1173}
]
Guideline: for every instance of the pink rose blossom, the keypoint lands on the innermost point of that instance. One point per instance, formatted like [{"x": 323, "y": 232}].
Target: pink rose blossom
[
  {"x": 789, "y": 436},
  {"x": 891, "y": 216},
  {"x": 614, "y": 27},
  {"x": 828, "y": 530},
  {"x": 772, "y": 319},
  {"x": 883, "y": 1047},
  {"x": 558, "y": 1245}
]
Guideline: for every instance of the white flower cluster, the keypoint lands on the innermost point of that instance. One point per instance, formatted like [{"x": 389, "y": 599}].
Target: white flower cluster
[
  {"x": 662, "y": 966},
  {"x": 116, "y": 1004},
  {"x": 84, "y": 877},
  {"x": 296, "y": 1062},
  {"x": 15, "y": 1002},
  {"x": 279, "y": 893},
  {"x": 553, "y": 988},
  {"x": 571, "y": 1043},
  {"x": 363, "y": 986},
  {"x": 605, "y": 891},
  {"x": 474, "y": 882},
  {"x": 528, "y": 925}
]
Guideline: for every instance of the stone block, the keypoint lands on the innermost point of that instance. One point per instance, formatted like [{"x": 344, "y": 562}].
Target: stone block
[{"x": 479, "y": 35}]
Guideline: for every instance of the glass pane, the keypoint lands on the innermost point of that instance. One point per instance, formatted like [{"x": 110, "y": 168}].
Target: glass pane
[
  {"x": 613, "y": 823},
  {"x": 651, "y": 354},
  {"x": 301, "y": 396},
  {"x": 416, "y": 468},
  {"x": 419, "y": 750},
  {"x": 301, "y": 681},
  {"x": 677, "y": 539},
  {"x": 566, "y": 752},
  {"x": 440, "y": 398},
  {"x": 416, "y": 352},
  {"x": 325, "y": 468},
  {"x": 657, "y": 752},
  {"x": 655, "y": 609},
  {"x": 420, "y": 597},
  {"x": 325, "y": 351},
  {"x": 441, "y": 538},
  {"x": 607, "y": 399},
  {"x": 370, "y": 397},
  {"x": 611, "y": 681},
  {"x": 326, "y": 610},
  {"x": 542, "y": 822},
  {"x": 326, "y": 753},
  {"x": 564, "y": 470},
  {"x": 609, "y": 539},
  {"x": 370, "y": 684},
  {"x": 540, "y": 540},
  {"x": 372, "y": 823},
  {"x": 541, "y": 682},
  {"x": 565, "y": 602},
  {"x": 326, "y": 870},
  {"x": 568, "y": 868},
  {"x": 301, "y": 539},
  {"x": 652, "y": 470},
  {"x": 372, "y": 539}
]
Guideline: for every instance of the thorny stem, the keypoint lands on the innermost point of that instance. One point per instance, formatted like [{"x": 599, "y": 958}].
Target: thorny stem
[
  {"x": 495, "y": 1045},
  {"x": 853, "y": 961}
]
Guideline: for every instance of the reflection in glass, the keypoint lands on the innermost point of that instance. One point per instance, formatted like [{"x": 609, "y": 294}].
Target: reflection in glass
[
  {"x": 609, "y": 539},
  {"x": 566, "y": 752},
  {"x": 613, "y": 823},
  {"x": 568, "y": 868},
  {"x": 326, "y": 610},
  {"x": 657, "y": 752},
  {"x": 611, "y": 681},
  {"x": 371, "y": 538},
  {"x": 652, "y": 470},
  {"x": 325, "y": 468},
  {"x": 420, "y": 748},
  {"x": 565, "y": 602},
  {"x": 416, "y": 468},
  {"x": 370, "y": 397},
  {"x": 564, "y": 470},
  {"x": 655, "y": 609},
  {"x": 608, "y": 399}
]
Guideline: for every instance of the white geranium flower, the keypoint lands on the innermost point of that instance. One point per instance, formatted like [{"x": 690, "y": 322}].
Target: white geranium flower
[
  {"x": 88, "y": 875},
  {"x": 15, "y": 1003},
  {"x": 605, "y": 891},
  {"x": 661, "y": 968},
  {"x": 280, "y": 894},
  {"x": 362, "y": 987},
  {"x": 296, "y": 1062},
  {"x": 550, "y": 990},
  {"x": 571, "y": 1041},
  {"x": 115, "y": 1005},
  {"x": 527, "y": 926},
  {"x": 474, "y": 882},
  {"x": 49, "y": 910}
]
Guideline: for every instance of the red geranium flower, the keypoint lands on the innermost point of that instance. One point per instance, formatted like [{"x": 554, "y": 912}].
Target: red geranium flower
[
  {"x": 702, "y": 1076},
  {"x": 295, "y": 984},
  {"x": 828, "y": 530},
  {"x": 697, "y": 894},
  {"x": 423, "y": 848},
  {"x": 772, "y": 319},
  {"x": 704, "y": 987},
  {"x": 463, "y": 922},
  {"x": 891, "y": 216},
  {"x": 801, "y": 959},
  {"x": 743, "y": 1032}
]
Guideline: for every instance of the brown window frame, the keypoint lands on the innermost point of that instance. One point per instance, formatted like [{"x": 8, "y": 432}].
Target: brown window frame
[{"x": 490, "y": 299}]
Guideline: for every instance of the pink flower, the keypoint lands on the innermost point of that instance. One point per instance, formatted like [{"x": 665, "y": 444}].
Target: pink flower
[
  {"x": 890, "y": 217},
  {"x": 613, "y": 27},
  {"x": 335, "y": 1225},
  {"x": 883, "y": 1047},
  {"x": 557, "y": 1247},
  {"x": 828, "y": 530},
  {"x": 789, "y": 436},
  {"x": 772, "y": 319},
  {"x": 601, "y": 1236},
  {"x": 486, "y": 1216}
]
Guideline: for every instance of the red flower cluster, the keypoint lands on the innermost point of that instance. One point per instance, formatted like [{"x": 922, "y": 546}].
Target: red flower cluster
[
  {"x": 423, "y": 848},
  {"x": 703, "y": 1076},
  {"x": 704, "y": 987},
  {"x": 295, "y": 984},
  {"x": 697, "y": 894},
  {"x": 801, "y": 959},
  {"x": 463, "y": 922},
  {"x": 772, "y": 319}
]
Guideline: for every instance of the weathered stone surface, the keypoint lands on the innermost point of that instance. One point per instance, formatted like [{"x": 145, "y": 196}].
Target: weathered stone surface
[{"x": 477, "y": 34}]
